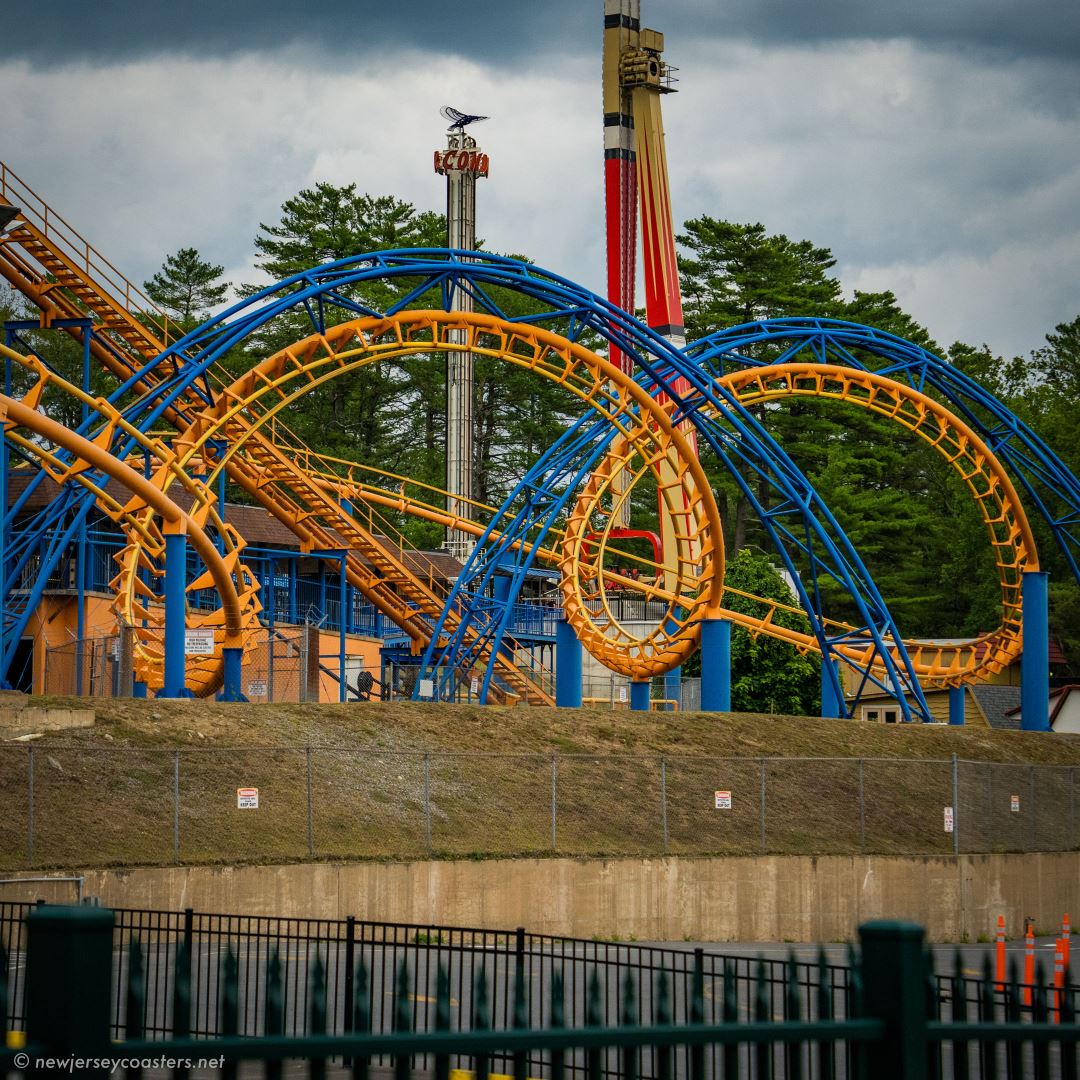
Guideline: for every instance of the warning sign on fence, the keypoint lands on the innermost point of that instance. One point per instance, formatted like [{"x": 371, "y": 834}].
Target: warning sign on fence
[
  {"x": 256, "y": 689},
  {"x": 247, "y": 798},
  {"x": 1014, "y": 803},
  {"x": 199, "y": 642},
  {"x": 723, "y": 800},
  {"x": 948, "y": 819}
]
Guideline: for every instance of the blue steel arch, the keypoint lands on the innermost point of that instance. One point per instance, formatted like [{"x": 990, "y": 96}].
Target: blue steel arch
[
  {"x": 732, "y": 432},
  {"x": 1052, "y": 487}
]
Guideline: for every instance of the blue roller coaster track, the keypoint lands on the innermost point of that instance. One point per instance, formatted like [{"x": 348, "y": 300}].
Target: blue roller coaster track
[{"x": 808, "y": 540}]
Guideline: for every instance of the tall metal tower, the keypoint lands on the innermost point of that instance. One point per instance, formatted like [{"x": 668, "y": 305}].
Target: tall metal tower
[
  {"x": 635, "y": 168},
  {"x": 462, "y": 163},
  {"x": 636, "y": 179}
]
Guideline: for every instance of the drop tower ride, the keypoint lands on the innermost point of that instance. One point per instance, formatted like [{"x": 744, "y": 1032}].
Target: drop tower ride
[
  {"x": 462, "y": 163},
  {"x": 635, "y": 77}
]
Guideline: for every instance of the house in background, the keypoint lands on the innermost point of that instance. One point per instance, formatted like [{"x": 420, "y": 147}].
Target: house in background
[{"x": 993, "y": 703}]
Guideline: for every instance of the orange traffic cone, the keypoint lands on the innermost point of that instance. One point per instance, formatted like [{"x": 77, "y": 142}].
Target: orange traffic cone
[
  {"x": 1029, "y": 963},
  {"x": 1059, "y": 980},
  {"x": 1000, "y": 954}
]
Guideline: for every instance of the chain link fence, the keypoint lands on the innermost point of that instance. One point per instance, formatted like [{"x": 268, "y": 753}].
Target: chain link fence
[
  {"x": 280, "y": 664},
  {"x": 283, "y": 664},
  {"x": 90, "y": 807}
]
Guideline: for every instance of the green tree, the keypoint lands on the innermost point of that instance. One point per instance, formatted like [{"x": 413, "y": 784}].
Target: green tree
[
  {"x": 187, "y": 287},
  {"x": 326, "y": 223},
  {"x": 388, "y": 413},
  {"x": 897, "y": 500},
  {"x": 736, "y": 273},
  {"x": 767, "y": 674}
]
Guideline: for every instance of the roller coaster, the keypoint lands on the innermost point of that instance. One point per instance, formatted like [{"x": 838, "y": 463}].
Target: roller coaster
[{"x": 655, "y": 414}]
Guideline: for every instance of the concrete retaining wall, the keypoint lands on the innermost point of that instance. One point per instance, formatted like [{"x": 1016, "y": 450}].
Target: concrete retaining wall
[{"x": 778, "y": 898}]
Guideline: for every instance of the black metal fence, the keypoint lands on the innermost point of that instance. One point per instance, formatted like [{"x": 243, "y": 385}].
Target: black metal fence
[
  {"x": 390, "y": 998},
  {"x": 384, "y": 947}
]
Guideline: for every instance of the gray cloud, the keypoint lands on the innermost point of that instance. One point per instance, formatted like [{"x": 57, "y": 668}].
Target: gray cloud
[
  {"x": 502, "y": 32},
  {"x": 949, "y": 176},
  {"x": 1037, "y": 28}
]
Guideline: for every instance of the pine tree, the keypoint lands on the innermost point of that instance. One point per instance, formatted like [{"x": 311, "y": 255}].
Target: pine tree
[{"x": 187, "y": 287}]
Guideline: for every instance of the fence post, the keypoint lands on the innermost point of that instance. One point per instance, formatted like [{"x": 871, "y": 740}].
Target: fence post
[
  {"x": 519, "y": 952},
  {"x": 302, "y": 690},
  {"x": 310, "y": 809},
  {"x": 176, "y": 806},
  {"x": 350, "y": 974},
  {"x": 30, "y": 805},
  {"x": 894, "y": 991},
  {"x": 762, "y": 804},
  {"x": 862, "y": 810},
  {"x": 554, "y": 791},
  {"x": 955, "y": 805},
  {"x": 663, "y": 800},
  {"x": 270, "y": 648},
  {"x": 69, "y": 982},
  {"x": 1072, "y": 808},
  {"x": 427, "y": 801},
  {"x": 1031, "y": 802}
]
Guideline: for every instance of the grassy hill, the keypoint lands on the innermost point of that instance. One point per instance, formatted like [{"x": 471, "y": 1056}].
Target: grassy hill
[{"x": 106, "y": 795}]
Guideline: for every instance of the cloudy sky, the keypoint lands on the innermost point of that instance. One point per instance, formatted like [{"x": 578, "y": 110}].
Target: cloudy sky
[{"x": 934, "y": 146}]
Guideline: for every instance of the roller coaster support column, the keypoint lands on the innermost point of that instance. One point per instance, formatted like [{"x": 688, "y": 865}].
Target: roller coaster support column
[
  {"x": 231, "y": 661},
  {"x": 1035, "y": 659},
  {"x": 956, "y": 704},
  {"x": 832, "y": 692},
  {"x": 343, "y": 602},
  {"x": 640, "y": 695},
  {"x": 716, "y": 665},
  {"x": 567, "y": 666},
  {"x": 175, "y": 615},
  {"x": 673, "y": 687},
  {"x": 500, "y": 591}
]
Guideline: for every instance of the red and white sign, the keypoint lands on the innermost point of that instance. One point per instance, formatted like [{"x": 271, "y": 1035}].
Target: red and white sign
[
  {"x": 247, "y": 798},
  {"x": 470, "y": 161},
  {"x": 949, "y": 819},
  {"x": 723, "y": 800}
]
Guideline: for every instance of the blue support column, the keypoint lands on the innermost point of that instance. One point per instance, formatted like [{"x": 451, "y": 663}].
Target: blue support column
[
  {"x": 81, "y": 547},
  {"x": 567, "y": 666},
  {"x": 716, "y": 665},
  {"x": 1035, "y": 660},
  {"x": 673, "y": 688},
  {"x": 500, "y": 586},
  {"x": 138, "y": 689},
  {"x": 957, "y": 699},
  {"x": 294, "y": 573},
  {"x": 231, "y": 688},
  {"x": 344, "y": 587},
  {"x": 640, "y": 695},
  {"x": 5, "y": 500},
  {"x": 175, "y": 614},
  {"x": 832, "y": 696}
]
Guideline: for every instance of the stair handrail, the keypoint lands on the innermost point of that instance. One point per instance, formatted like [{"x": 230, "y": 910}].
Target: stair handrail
[{"x": 92, "y": 262}]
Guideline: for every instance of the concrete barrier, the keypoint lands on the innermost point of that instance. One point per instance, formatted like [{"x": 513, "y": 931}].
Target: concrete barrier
[
  {"x": 768, "y": 898},
  {"x": 17, "y": 719}
]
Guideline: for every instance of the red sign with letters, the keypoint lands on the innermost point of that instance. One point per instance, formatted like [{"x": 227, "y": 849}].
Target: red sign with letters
[{"x": 471, "y": 161}]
